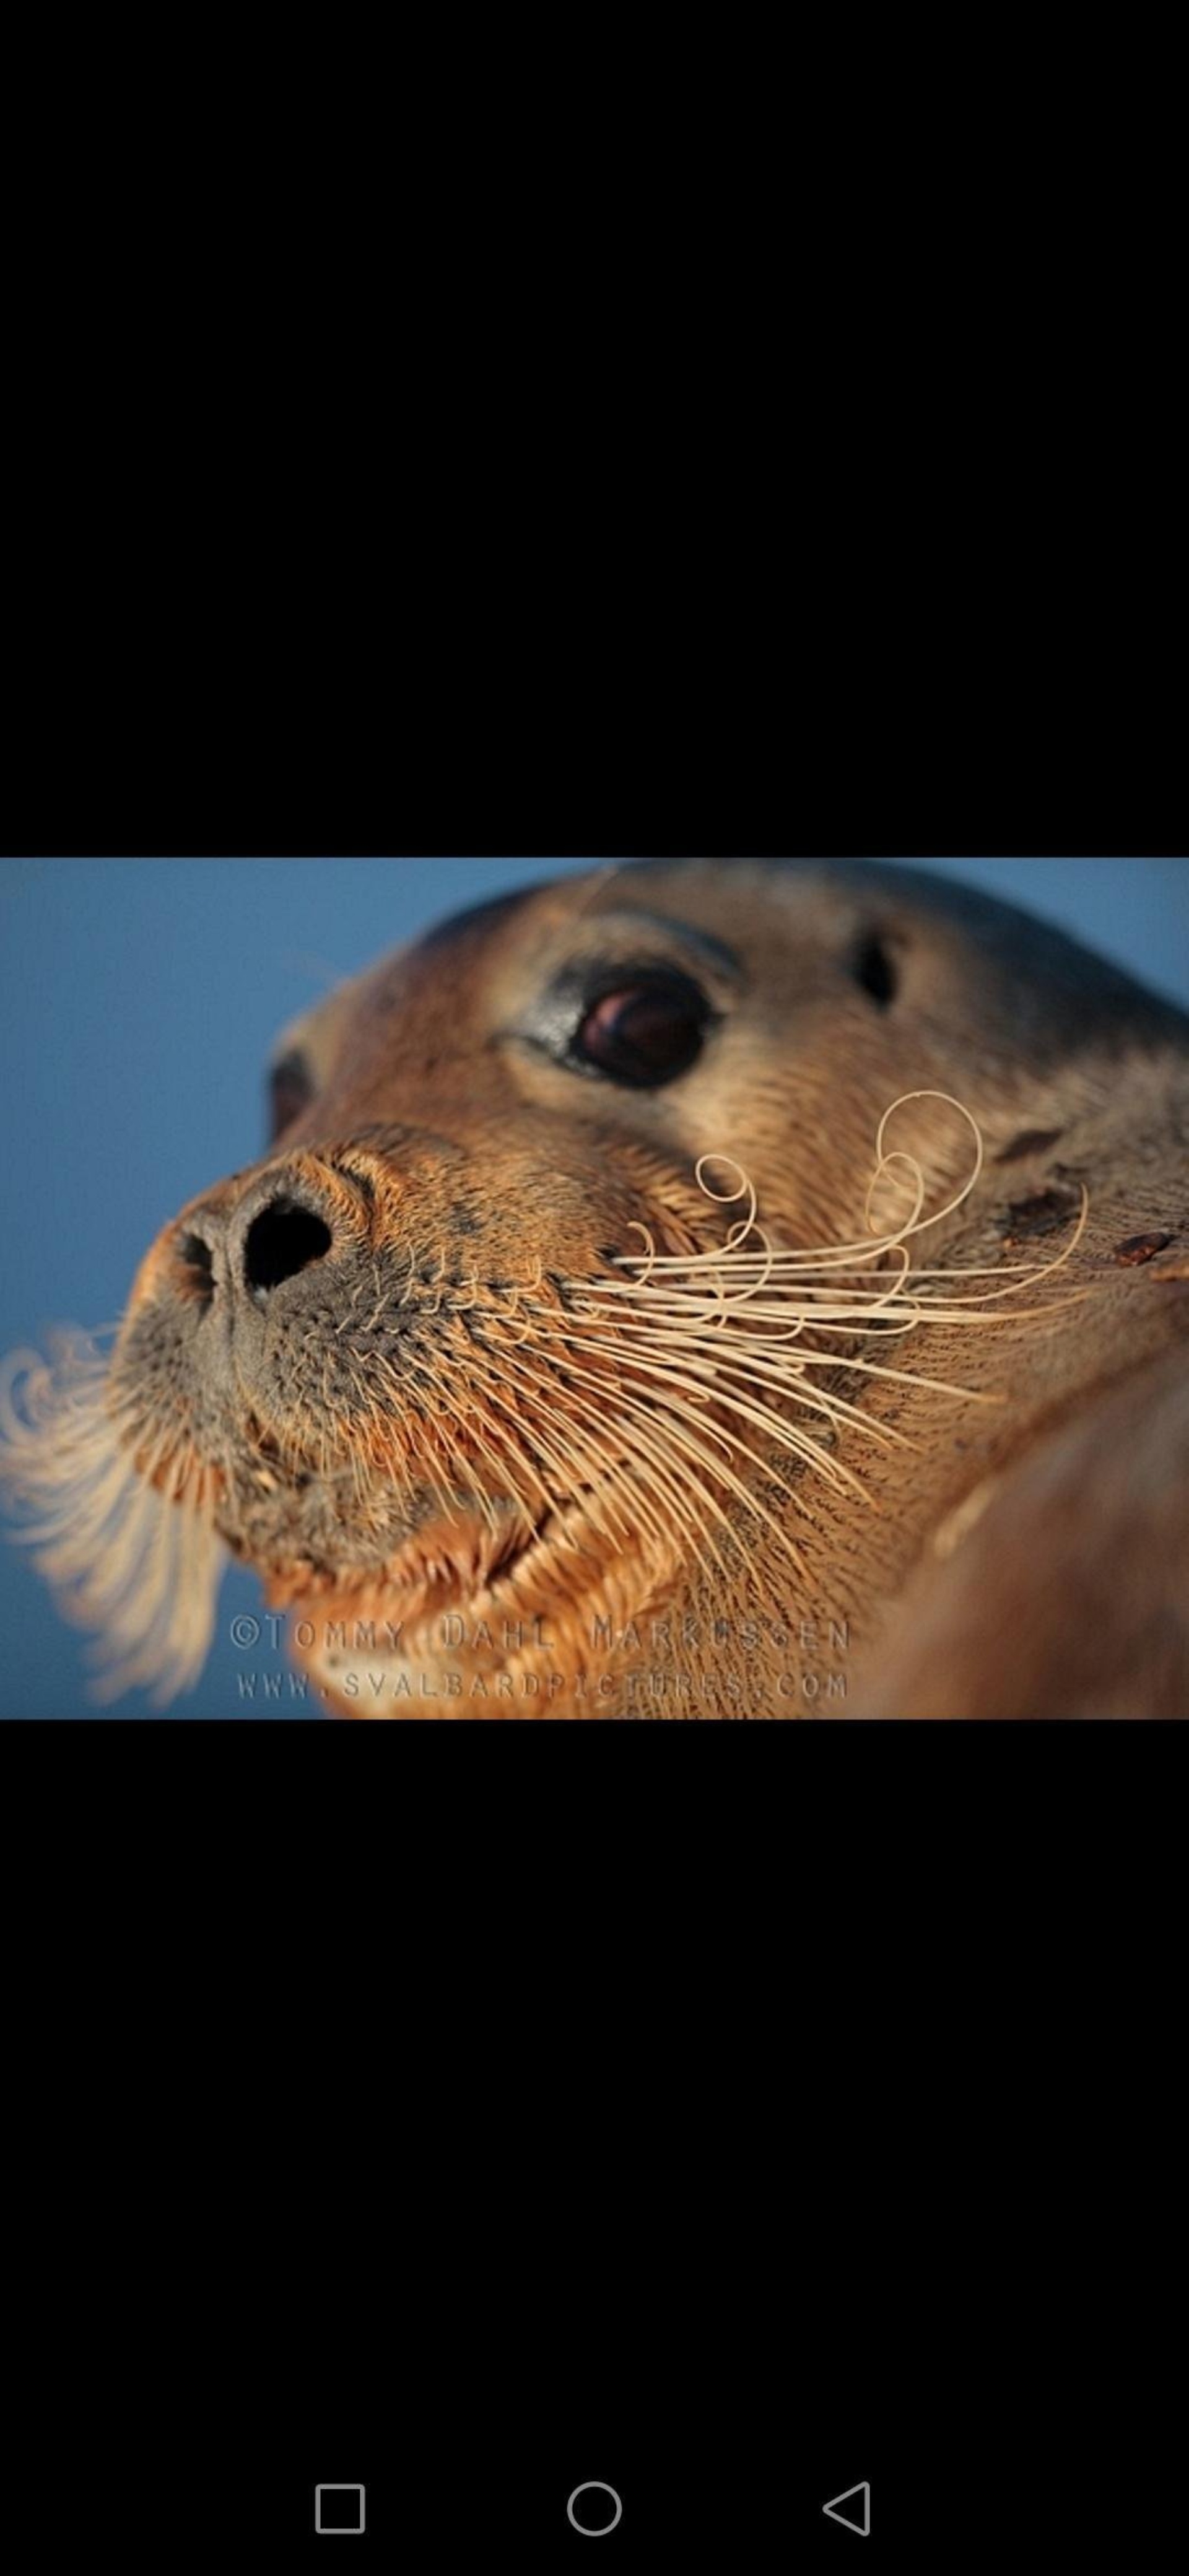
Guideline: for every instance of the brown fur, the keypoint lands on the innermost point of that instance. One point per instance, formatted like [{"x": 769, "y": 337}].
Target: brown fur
[{"x": 470, "y": 1182}]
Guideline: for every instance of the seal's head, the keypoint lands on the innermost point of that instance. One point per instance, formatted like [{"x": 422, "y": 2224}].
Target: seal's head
[{"x": 404, "y": 1365}]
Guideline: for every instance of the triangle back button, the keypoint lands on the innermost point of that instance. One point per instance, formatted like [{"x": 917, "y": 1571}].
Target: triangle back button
[{"x": 858, "y": 2518}]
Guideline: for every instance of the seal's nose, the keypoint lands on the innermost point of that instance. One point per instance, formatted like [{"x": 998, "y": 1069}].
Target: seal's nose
[
  {"x": 276, "y": 1231},
  {"x": 283, "y": 1238}
]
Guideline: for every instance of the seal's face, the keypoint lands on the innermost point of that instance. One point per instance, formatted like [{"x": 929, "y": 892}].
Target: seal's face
[
  {"x": 364, "y": 1346},
  {"x": 402, "y": 1364}
]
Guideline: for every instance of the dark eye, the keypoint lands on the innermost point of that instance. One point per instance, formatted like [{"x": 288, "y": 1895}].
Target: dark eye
[
  {"x": 290, "y": 1090},
  {"x": 645, "y": 1032}
]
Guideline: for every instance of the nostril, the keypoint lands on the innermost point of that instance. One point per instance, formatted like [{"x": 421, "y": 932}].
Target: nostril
[
  {"x": 282, "y": 1240},
  {"x": 197, "y": 1268}
]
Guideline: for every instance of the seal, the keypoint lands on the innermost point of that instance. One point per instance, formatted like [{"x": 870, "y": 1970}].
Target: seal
[{"x": 698, "y": 1289}]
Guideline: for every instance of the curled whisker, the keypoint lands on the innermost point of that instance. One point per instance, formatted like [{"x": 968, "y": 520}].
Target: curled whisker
[
  {"x": 714, "y": 1330},
  {"x": 649, "y": 1256}
]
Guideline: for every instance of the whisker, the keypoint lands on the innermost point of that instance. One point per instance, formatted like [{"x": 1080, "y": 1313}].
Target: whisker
[
  {"x": 654, "y": 1473},
  {"x": 745, "y": 1325},
  {"x": 135, "y": 1560}
]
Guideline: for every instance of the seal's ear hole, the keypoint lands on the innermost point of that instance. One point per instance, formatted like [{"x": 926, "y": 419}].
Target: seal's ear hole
[{"x": 874, "y": 968}]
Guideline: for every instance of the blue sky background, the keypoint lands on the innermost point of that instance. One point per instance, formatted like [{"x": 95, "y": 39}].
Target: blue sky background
[{"x": 138, "y": 1002}]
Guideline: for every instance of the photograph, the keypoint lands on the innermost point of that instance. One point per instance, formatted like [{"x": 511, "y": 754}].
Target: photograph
[{"x": 543, "y": 1290}]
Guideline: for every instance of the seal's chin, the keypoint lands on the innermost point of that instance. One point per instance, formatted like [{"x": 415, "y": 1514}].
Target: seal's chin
[{"x": 507, "y": 1565}]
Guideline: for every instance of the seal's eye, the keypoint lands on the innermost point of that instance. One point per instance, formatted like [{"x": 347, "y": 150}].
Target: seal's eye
[
  {"x": 290, "y": 1090},
  {"x": 644, "y": 1032}
]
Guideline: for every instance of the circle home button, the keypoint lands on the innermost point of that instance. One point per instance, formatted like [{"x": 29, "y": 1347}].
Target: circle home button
[{"x": 594, "y": 2509}]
